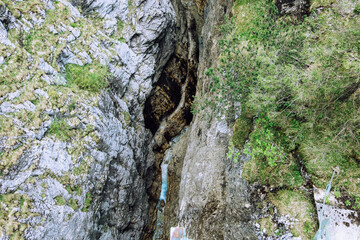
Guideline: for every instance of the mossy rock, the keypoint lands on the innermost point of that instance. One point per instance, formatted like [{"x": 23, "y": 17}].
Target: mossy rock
[
  {"x": 297, "y": 206},
  {"x": 13, "y": 209},
  {"x": 268, "y": 224},
  {"x": 321, "y": 3}
]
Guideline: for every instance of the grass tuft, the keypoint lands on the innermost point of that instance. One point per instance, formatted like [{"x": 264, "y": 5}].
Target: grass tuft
[{"x": 90, "y": 77}]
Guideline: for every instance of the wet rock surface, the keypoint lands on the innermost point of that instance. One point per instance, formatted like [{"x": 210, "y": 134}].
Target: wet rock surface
[{"x": 167, "y": 110}]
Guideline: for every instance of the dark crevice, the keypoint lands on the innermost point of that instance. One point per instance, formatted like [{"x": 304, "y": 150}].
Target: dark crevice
[
  {"x": 168, "y": 108},
  {"x": 165, "y": 96}
]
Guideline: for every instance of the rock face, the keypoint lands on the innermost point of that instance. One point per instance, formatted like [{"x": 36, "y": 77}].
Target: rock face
[
  {"x": 167, "y": 110},
  {"x": 74, "y": 162},
  {"x": 203, "y": 184},
  {"x": 295, "y": 8}
]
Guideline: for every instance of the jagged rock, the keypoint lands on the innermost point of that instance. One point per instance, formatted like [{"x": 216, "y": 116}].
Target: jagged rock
[
  {"x": 209, "y": 185},
  {"x": 93, "y": 188},
  {"x": 41, "y": 92},
  {"x": 6, "y": 17},
  {"x": 67, "y": 57},
  {"x": 107, "y": 8},
  {"x": 297, "y": 8},
  {"x": 3, "y": 36}
]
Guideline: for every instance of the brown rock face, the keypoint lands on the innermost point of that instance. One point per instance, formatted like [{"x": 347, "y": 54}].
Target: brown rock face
[{"x": 167, "y": 93}]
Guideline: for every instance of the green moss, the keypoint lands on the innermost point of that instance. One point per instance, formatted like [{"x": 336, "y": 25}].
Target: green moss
[
  {"x": 60, "y": 200},
  {"x": 87, "y": 202},
  {"x": 127, "y": 118},
  {"x": 74, "y": 189},
  {"x": 90, "y": 77},
  {"x": 60, "y": 129},
  {"x": 242, "y": 129},
  {"x": 73, "y": 204},
  {"x": 268, "y": 224},
  {"x": 283, "y": 175}
]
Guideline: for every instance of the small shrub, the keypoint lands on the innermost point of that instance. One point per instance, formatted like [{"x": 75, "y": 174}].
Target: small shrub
[
  {"x": 242, "y": 129},
  {"x": 337, "y": 194},
  {"x": 357, "y": 203},
  {"x": 233, "y": 153},
  {"x": 90, "y": 77}
]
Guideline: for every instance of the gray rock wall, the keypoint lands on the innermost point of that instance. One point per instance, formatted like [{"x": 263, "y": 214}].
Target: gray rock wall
[
  {"x": 90, "y": 184},
  {"x": 208, "y": 195}
]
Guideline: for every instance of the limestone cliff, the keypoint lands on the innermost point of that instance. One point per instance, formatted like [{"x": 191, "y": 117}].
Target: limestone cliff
[{"x": 74, "y": 158}]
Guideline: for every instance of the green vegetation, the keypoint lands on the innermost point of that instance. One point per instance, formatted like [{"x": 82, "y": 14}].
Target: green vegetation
[
  {"x": 90, "y": 77},
  {"x": 73, "y": 204},
  {"x": 74, "y": 189},
  {"x": 61, "y": 129},
  {"x": 87, "y": 202},
  {"x": 60, "y": 200},
  {"x": 299, "y": 82},
  {"x": 299, "y": 207},
  {"x": 14, "y": 208},
  {"x": 242, "y": 129},
  {"x": 357, "y": 9},
  {"x": 295, "y": 205},
  {"x": 267, "y": 224}
]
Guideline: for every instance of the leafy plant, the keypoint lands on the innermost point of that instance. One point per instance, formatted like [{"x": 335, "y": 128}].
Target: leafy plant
[
  {"x": 263, "y": 143},
  {"x": 233, "y": 153},
  {"x": 337, "y": 194},
  {"x": 73, "y": 204},
  {"x": 357, "y": 203}
]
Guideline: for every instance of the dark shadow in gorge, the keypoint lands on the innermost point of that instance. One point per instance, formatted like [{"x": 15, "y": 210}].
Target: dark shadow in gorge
[{"x": 168, "y": 108}]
